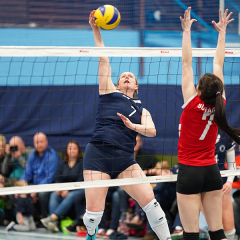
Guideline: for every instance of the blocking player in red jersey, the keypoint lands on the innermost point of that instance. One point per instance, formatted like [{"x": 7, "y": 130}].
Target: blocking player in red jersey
[{"x": 199, "y": 180}]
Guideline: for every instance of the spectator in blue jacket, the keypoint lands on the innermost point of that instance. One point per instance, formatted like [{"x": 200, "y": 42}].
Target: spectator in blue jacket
[
  {"x": 41, "y": 167},
  {"x": 69, "y": 170}
]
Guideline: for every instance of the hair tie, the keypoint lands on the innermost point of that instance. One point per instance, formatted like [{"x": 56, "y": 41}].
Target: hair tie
[{"x": 218, "y": 93}]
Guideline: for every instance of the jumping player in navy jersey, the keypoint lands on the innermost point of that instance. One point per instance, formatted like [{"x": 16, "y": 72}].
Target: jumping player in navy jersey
[
  {"x": 199, "y": 181},
  {"x": 110, "y": 153}
]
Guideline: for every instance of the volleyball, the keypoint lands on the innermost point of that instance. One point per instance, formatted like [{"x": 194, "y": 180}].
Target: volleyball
[{"x": 107, "y": 17}]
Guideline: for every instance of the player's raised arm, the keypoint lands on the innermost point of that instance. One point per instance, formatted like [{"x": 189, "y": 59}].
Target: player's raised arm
[
  {"x": 188, "y": 88},
  {"x": 220, "y": 51},
  {"x": 105, "y": 81}
]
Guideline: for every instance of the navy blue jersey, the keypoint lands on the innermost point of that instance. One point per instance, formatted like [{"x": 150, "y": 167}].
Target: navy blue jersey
[
  {"x": 223, "y": 144},
  {"x": 109, "y": 127}
]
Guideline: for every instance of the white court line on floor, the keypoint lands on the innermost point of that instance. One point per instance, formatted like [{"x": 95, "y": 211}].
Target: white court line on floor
[{"x": 43, "y": 235}]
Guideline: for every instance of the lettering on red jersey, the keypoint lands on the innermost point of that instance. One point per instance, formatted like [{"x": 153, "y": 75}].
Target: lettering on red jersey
[{"x": 206, "y": 109}]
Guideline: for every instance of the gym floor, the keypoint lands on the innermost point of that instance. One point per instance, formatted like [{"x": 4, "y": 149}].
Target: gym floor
[{"x": 40, "y": 235}]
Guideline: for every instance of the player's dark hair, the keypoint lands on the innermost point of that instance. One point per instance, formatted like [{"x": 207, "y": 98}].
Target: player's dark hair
[
  {"x": 211, "y": 88},
  {"x": 66, "y": 157}
]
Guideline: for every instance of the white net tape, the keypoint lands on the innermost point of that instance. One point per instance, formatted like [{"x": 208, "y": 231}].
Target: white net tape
[
  {"x": 22, "y": 51},
  {"x": 100, "y": 183}
]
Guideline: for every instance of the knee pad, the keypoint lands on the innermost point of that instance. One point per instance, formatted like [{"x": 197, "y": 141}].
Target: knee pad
[
  {"x": 230, "y": 234},
  {"x": 217, "y": 235},
  {"x": 155, "y": 214},
  {"x": 91, "y": 220},
  {"x": 191, "y": 235}
]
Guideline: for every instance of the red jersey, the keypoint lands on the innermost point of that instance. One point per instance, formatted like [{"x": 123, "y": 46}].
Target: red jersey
[{"x": 198, "y": 133}]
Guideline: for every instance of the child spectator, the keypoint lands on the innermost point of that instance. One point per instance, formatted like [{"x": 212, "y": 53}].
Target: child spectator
[{"x": 24, "y": 216}]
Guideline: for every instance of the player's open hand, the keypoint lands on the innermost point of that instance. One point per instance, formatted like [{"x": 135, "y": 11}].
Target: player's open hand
[
  {"x": 126, "y": 121},
  {"x": 92, "y": 20},
  {"x": 223, "y": 21},
  {"x": 187, "y": 21},
  {"x": 227, "y": 188}
]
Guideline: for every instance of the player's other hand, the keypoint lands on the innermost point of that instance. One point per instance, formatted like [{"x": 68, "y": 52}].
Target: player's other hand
[
  {"x": 127, "y": 122},
  {"x": 223, "y": 21},
  {"x": 187, "y": 21}
]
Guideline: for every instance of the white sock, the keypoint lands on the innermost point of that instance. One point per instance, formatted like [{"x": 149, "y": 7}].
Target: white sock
[
  {"x": 91, "y": 221},
  {"x": 157, "y": 220},
  {"x": 230, "y": 234}
]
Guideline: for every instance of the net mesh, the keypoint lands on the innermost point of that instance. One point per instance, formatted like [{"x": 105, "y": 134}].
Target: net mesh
[{"x": 55, "y": 90}]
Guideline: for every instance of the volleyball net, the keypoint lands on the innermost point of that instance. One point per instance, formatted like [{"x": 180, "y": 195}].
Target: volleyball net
[{"x": 54, "y": 90}]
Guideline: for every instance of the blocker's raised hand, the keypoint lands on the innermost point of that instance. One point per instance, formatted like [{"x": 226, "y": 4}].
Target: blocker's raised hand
[
  {"x": 223, "y": 21},
  {"x": 187, "y": 21}
]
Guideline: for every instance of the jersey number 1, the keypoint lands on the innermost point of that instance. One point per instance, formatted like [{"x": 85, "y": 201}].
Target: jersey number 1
[{"x": 204, "y": 117}]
